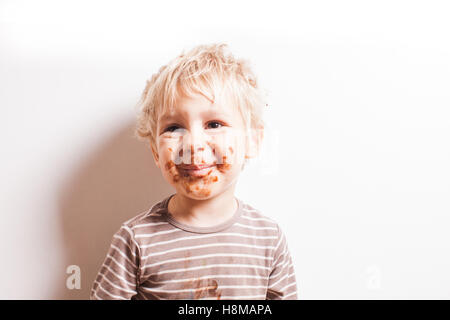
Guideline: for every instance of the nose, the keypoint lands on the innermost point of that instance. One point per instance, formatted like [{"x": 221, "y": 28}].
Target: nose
[{"x": 192, "y": 148}]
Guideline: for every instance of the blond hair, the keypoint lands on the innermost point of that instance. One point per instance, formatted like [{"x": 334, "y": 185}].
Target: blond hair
[{"x": 210, "y": 70}]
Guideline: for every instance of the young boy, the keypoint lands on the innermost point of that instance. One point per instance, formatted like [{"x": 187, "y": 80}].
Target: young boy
[{"x": 202, "y": 116}]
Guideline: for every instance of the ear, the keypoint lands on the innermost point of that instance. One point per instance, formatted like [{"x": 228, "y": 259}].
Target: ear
[
  {"x": 155, "y": 155},
  {"x": 254, "y": 140}
]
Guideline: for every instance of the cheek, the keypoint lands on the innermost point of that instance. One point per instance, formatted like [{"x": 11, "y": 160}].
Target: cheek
[
  {"x": 166, "y": 148},
  {"x": 231, "y": 155},
  {"x": 171, "y": 170}
]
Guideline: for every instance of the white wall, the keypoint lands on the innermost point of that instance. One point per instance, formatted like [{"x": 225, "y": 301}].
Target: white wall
[{"x": 358, "y": 177}]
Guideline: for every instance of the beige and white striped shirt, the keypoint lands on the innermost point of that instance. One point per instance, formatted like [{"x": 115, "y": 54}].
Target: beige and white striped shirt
[{"x": 153, "y": 256}]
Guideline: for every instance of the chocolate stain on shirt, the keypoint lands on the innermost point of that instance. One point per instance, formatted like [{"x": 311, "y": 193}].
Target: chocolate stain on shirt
[
  {"x": 206, "y": 288},
  {"x": 201, "y": 288}
]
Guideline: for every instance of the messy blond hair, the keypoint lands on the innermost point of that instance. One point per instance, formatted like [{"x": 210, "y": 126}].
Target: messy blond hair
[{"x": 210, "y": 70}]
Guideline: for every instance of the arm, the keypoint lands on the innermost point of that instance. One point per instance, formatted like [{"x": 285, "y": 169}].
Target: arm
[
  {"x": 119, "y": 275},
  {"x": 282, "y": 284}
]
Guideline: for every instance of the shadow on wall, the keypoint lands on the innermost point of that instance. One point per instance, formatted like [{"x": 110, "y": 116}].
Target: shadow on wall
[{"x": 117, "y": 182}]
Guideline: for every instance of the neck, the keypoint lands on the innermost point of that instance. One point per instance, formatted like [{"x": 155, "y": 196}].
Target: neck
[{"x": 203, "y": 213}]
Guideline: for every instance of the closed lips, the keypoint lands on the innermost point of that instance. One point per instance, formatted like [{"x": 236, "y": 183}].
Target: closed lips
[{"x": 194, "y": 167}]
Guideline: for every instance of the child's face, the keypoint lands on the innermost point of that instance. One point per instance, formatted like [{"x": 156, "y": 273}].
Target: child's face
[{"x": 201, "y": 147}]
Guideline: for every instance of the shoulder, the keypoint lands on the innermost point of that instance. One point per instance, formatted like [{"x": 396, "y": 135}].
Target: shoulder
[
  {"x": 255, "y": 218},
  {"x": 147, "y": 221},
  {"x": 272, "y": 230},
  {"x": 251, "y": 213}
]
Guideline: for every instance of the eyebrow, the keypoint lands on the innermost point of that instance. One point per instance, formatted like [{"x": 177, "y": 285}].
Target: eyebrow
[
  {"x": 210, "y": 113},
  {"x": 166, "y": 118}
]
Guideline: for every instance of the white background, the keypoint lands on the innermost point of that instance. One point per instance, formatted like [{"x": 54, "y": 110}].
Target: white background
[{"x": 356, "y": 161}]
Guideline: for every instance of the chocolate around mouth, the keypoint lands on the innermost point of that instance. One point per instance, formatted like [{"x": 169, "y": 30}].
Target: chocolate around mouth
[{"x": 189, "y": 181}]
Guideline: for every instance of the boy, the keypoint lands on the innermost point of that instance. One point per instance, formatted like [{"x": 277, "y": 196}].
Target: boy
[{"x": 202, "y": 116}]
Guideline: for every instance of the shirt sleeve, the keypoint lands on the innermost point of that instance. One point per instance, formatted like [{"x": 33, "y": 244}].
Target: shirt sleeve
[
  {"x": 118, "y": 277},
  {"x": 282, "y": 283}
]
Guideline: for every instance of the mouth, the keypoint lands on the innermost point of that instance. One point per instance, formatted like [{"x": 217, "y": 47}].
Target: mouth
[{"x": 196, "y": 170}]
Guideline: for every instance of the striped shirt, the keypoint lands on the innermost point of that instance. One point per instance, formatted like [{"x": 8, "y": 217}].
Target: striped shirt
[{"x": 154, "y": 256}]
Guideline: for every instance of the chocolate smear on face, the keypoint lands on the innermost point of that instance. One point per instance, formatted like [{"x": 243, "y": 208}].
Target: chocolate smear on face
[{"x": 199, "y": 185}]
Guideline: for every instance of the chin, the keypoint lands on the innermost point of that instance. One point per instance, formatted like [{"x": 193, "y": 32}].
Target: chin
[{"x": 202, "y": 194}]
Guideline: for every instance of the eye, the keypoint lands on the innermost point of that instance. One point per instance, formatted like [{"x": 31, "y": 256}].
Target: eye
[
  {"x": 214, "y": 125},
  {"x": 171, "y": 128}
]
